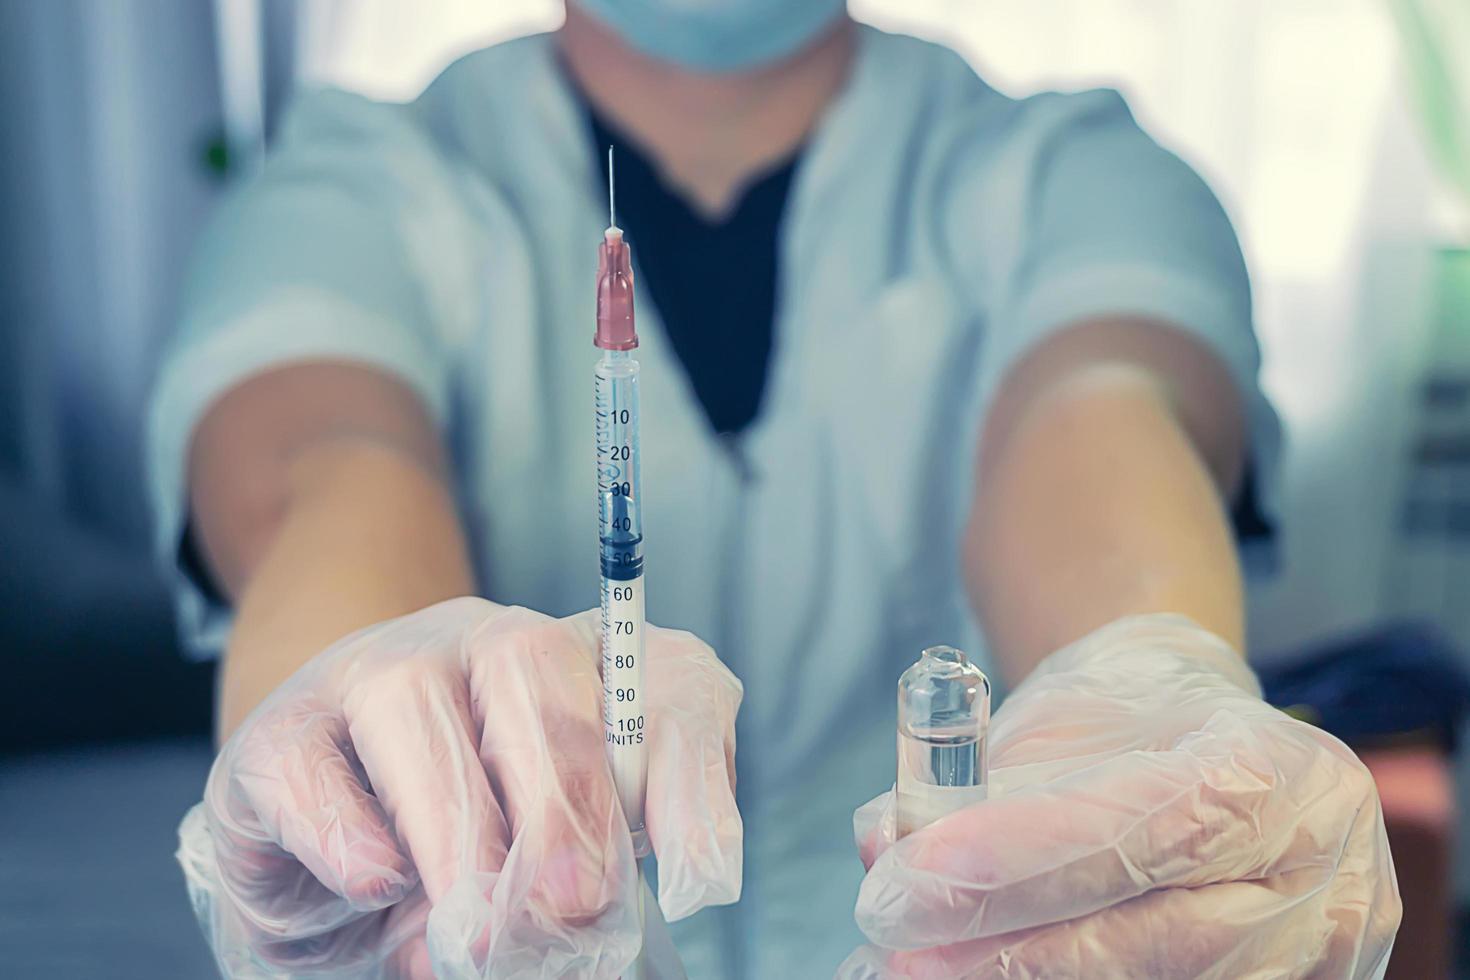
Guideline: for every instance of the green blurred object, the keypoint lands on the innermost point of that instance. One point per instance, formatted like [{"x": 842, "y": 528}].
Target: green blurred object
[
  {"x": 214, "y": 154},
  {"x": 1452, "y": 303},
  {"x": 1436, "y": 42}
]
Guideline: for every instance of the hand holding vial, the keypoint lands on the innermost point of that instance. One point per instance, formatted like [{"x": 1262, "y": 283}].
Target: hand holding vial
[{"x": 1149, "y": 815}]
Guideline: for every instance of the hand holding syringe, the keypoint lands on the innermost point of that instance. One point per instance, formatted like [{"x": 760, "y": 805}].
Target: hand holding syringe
[{"x": 427, "y": 796}]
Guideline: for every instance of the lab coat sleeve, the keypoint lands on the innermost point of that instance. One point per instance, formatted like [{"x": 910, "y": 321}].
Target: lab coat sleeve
[
  {"x": 342, "y": 249},
  {"x": 1108, "y": 223}
]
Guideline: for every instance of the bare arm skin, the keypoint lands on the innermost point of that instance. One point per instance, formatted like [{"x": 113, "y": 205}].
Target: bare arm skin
[
  {"x": 1105, "y": 465},
  {"x": 320, "y": 505}
]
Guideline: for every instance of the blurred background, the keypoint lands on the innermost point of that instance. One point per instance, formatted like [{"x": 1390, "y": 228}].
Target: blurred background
[{"x": 1337, "y": 132}]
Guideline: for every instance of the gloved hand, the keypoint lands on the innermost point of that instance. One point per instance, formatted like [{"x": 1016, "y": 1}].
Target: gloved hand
[
  {"x": 431, "y": 796},
  {"x": 1149, "y": 816}
]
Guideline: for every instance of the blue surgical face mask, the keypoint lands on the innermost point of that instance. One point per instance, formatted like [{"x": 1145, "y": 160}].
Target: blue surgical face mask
[{"x": 716, "y": 35}]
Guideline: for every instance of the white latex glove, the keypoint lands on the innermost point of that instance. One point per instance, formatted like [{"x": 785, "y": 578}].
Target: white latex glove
[
  {"x": 431, "y": 797},
  {"x": 1150, "y": 816}
]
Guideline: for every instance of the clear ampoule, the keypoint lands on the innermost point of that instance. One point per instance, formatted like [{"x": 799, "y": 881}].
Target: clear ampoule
[{"x": 943, "y": 720}]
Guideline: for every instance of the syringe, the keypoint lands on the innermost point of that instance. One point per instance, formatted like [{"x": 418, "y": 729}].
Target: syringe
[{"x": 620, "y": 524}]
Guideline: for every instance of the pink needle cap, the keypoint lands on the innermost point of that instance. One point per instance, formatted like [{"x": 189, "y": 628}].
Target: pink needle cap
[
  {"x": 615, "y": 293},
  {"x": 614, "y": 280}
]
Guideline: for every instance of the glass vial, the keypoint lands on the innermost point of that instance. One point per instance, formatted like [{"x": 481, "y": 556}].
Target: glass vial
[{"x": 943, "y": 720}]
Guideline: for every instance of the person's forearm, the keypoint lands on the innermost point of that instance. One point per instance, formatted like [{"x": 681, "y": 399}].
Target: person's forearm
[
  {"x": 1097, "y": 506},
  {"x": 366, "y": 534}
]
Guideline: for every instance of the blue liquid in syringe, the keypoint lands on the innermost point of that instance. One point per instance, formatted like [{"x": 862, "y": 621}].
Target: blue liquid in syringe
[{"x": 622, "y": 550}]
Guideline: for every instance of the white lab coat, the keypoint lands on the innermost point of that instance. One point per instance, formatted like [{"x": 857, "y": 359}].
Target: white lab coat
[{"x": 935, "y": 231}]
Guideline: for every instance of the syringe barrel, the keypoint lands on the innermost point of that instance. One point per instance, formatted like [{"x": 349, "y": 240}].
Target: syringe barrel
[
  {"x": 620, "y": 537},
  {"x": 943, "y": 722},
  {"x": 620, "y": 505}
]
